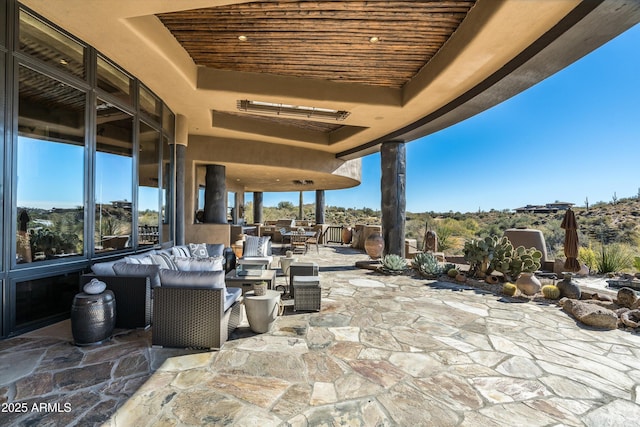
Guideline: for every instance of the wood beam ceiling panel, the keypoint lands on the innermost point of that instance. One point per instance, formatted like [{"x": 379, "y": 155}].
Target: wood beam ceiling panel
[{"x": 326, "y": 40}]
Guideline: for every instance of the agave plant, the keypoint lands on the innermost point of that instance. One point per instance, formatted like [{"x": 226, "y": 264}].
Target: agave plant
[
  {"x": 427, "y": 265},
  {"x": 393, "y": 264}
]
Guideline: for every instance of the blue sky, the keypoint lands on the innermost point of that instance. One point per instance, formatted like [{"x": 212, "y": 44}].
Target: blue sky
[{"x": 573, "y": 136}]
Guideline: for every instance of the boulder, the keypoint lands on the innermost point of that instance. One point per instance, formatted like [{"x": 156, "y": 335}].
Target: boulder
[
  {"x": 591, "y": 314},
  {"x": 627, "y": 297}
]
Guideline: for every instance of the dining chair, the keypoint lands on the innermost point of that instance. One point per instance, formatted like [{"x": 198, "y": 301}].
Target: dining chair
[
  {"x": 315, "y": 240},
  {"x": 298, "y": 243}
]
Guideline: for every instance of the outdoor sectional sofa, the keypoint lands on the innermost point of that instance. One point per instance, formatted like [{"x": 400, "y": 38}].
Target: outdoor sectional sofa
[{"x": 184, "y": 288}]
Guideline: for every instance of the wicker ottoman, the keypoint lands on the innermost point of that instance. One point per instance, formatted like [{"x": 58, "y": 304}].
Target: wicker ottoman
[{"x": 306, "y": 291}]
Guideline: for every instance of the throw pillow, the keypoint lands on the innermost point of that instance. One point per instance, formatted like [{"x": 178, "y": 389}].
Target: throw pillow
[
  {"x": 181, "y": 251},
  {"x": 139, "y": 270},
  {"x": 164, "y": 261},
  {"x": 198, "y": 250},
  {"x": 256, "y": 246},
  {"x": 215, "y": 249}
]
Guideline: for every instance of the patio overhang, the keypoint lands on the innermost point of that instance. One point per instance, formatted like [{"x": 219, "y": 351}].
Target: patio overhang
[{"x": 401, "y": 70}]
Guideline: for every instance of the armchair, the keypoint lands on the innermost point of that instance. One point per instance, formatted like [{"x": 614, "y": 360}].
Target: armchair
[{"x": 194, "y": 310}]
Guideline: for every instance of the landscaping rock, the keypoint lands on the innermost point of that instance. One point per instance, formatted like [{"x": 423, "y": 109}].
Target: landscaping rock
[
  {"x": 591, "y": 314},
  {"x": 631, "y": 318},
  {"x": 569, "y": 289},
  {"x": 627, "y": 297},
  {"x": 603, "y": 297}
]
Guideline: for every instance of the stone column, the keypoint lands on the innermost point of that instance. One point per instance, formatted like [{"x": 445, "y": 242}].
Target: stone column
[
  {"x": 319, "y": 206},
  {"x": 392, "y": 185},
  {"x": 257, "y": 207},
  {"x": 300, "y": 207},
  {"x": 182, "y": 139},
  {"x": 215, "y": 194}
]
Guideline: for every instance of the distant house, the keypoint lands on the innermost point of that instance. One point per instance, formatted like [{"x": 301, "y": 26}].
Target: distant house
[
  {"x": 548, "y": 208},
  {"x": 121, "y": 204}
]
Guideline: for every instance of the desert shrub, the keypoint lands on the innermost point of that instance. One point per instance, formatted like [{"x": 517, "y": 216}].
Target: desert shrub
[
  {"x": 636, "y": 263},
  {"x": 587, "y": 256},
  {"x": 614, "y": 258}
]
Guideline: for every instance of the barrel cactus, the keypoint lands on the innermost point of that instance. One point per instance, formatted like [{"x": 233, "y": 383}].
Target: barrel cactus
[
  {"x": 551, "y": 291},
  {"x": 452, "y": 272},
  {"x": 393, "y": 264},
  {"x": 509, "y": 289}
]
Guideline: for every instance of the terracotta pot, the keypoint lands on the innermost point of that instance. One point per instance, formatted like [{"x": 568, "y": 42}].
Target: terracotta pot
[
  {"x": 528, "y": 284},
  {"x": 461, "y": 278},
  {"x": 346, "y": 235},
  {"x": 374, "y": 245},
  {"x": 491, "y": 279}
]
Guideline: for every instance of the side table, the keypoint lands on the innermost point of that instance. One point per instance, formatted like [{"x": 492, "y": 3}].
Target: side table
[
  {"x": 232, "y": 280},
  {"x": 93, "y": 317},
  {"x": 262, "y": 310}
]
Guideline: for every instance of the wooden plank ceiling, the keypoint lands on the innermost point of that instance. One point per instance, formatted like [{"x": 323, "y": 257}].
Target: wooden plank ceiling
[{"x": 328, "y": 40}]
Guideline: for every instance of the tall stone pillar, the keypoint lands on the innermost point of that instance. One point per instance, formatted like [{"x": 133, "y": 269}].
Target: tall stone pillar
[
  {"x": 392, "y": 186},
  {"x": 182, "y": 139},
  {"x": 319, "y": 206},
  {"x": 257, "y": 207},
  {"x": 215, "y": 195}
]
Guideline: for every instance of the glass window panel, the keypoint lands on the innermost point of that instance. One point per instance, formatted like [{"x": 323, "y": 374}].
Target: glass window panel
[
  {"x": 150, "y": 104},
  {"x": 113, "y": 81},
  {"x": 50, "y": 169},
  {"x": 148, "y": 186},
  {"x": 167, "y": 198},
  {"x": 168, "y": 120},
  {"x": 3, "y": 17},
  {"x": 114, "y": 178},
  {"x": 41, "y": 299},
  {"x": 42, "y": 41}
]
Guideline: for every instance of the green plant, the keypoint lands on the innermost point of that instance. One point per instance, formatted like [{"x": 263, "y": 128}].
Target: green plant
[
  {"x": 551, "y": 291},
  {"x": 636, "y": 263},
  {"x": 426, "y": 264},
  {"x": 452, "y": 272},
  {"x": 522, "y": 260},
  {"x": 478, "y": 253},
  {"x": 509, "y": 289},
  {"x": 393, "y": 264},
  {"x": 614, "y": 258},
  {"x": 588, "y": 257}
]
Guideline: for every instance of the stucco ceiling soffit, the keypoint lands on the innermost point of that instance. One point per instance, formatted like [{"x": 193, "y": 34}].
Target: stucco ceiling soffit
[
  {"x": 291, "y": 130},
  {"x": 293, "y": 90},
  {"x": 156, "y": 36},
  {"x": 491, "y": 36}
]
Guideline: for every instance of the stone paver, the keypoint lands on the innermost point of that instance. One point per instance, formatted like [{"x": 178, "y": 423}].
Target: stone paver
[{"x": 384, "y": 350}]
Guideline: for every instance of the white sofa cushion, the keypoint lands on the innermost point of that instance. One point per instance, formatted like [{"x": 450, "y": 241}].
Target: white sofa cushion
[
  {"x": 256, "y": 246},
  {"x": 199, "y": 264}
]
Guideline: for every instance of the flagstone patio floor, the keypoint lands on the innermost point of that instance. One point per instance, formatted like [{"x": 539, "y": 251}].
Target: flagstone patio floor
[{"x": 383, "y": 351}]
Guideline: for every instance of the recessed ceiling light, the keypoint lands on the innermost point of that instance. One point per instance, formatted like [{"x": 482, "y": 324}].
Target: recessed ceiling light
[
  {"x": 64, "y": 62},
  {"x": 374, "y": 39},
  {"x": 242, "y": 38}
]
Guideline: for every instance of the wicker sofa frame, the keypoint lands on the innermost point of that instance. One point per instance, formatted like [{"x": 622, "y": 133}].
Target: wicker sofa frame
[
  {"x": 190, "y": 317},
  {"x": 133, "y": 298}
]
